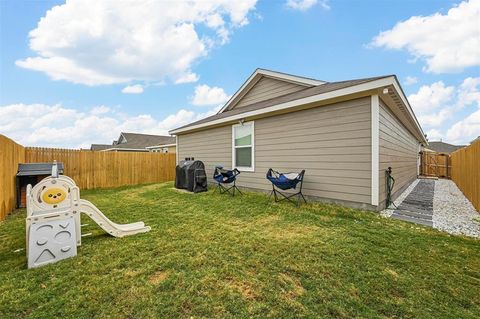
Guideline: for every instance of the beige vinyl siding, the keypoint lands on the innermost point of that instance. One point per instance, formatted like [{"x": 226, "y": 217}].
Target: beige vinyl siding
[
  {"x": 399, "y": 150},
  {"x": 267, "y": 88},
  {"x": 332, "y": 143},
  {"x": 212, "y": 147}
]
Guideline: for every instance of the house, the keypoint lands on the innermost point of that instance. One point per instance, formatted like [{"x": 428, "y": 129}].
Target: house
[
  {"x": 442, "y": 147},
  {"x": 135, "y": 142},
  {"x": 345, "y": 134}
]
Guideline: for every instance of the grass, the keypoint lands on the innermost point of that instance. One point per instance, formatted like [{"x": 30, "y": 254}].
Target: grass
[{"x": 209, "y": 255}]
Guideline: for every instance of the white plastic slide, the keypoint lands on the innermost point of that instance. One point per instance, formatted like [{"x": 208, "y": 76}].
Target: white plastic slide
[
  {"x": 53, "y": 230},
  {"x": 117, "y": 230}
]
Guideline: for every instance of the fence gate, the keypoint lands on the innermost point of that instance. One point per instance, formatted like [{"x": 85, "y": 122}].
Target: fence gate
[{"x": 435, "y": 164}]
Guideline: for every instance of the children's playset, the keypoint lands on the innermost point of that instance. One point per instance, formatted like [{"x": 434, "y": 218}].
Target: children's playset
[{"x": 53, "y": 226}]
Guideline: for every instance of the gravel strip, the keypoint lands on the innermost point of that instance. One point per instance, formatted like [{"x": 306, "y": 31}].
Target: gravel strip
[
  {"x": 452, "y": 212},
  {"x": 389, "y": 210}
]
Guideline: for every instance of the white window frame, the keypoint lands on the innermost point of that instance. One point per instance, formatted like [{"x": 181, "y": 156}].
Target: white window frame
[{"x": 242, "y": 168}]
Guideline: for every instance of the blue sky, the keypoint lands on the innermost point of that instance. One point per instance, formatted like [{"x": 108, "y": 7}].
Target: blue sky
[{"x": 61, "y": 84}]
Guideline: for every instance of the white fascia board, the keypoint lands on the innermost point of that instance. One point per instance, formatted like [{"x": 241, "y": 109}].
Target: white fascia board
[
  {"x": 176, "y": 150},
  {"x": 376, "y": 84},
  {"x": 162, "y": 145},
  {"x": 282, "y": 106},
  {"x": 290, "y": 78},
  {"x": 121, "y": 135},
  {"x": 239, "y": 91},
  {"x": 124, "y": 149},
  {"x": 399, "y": 90},
  {"x": 375, "y": 125},
  {"x": 278, "y": 75}
]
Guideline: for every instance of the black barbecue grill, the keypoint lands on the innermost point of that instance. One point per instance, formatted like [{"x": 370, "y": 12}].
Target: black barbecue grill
[{"x": 191, "y": 175}]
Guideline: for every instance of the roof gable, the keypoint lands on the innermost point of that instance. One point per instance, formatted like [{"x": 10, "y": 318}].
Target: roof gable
[
  {"x": 386, "y": 86},
  {"x": 264, "y": 84}
]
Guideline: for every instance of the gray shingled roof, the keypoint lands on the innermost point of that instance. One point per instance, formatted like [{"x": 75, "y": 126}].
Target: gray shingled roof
[
  {"x": 141, "y": 141},
  {"x": 136, "y": 141},
  {"x": 319, "y": 89},
  {"x": 442, "y": 147},
  {"x": 99, "y": 147}
]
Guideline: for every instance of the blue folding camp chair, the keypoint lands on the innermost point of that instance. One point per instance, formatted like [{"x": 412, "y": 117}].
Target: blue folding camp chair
[
  {"x": 286, "y": 181},
  {"x": 226, "y": 180}
]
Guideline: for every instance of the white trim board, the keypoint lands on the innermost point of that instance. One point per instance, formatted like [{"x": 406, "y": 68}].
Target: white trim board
[
  {"x": 161, "y": 145},
  {"x": 176, "y": 150},
  {"x": 257, "y": 75},
  {"x": 244, "y": 169},
  {"x": 125, "y": 149},
  {"x": 375, "y": 119},
  {"x": 367, "y": 86}
]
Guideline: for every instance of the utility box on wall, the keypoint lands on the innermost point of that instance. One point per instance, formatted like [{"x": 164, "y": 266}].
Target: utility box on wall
[{"x": 32, "y": 173}]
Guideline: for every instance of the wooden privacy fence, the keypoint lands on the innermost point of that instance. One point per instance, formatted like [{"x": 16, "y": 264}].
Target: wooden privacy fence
[
  {"x": 11, "y": 154},
  {"x": 466, "y": 172},
  {"x": 89, "y": 169},
  {"x": 435, "y": 164},
  {"x": 93, "y": 169}
]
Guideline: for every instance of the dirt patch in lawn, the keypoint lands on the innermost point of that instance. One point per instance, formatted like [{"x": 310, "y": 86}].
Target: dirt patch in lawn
[
  {"x": 243, "y": 288},
  {"x": 158, "y": 277}
]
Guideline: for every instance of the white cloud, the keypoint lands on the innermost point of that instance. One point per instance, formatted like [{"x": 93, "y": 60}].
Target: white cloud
[
  {"x": 133, "y": 89},
  {"x": 304, "y": 5},
  {"x": 205, "y": 95},
  {"x": 187, "y": 78},
  {"x": 102, "y": 109},
  {"x": 435, "y": 135},
  {"x": 465, "y": 130},
  {"x": 430, "y": 98},
  {"x": 438, "y": 106},
  {"x": 409, "y": 80},
  {"x": 60, "y": 126},
  {"x": 138, "y": 40},
  {"x": 447, "y": 42}
]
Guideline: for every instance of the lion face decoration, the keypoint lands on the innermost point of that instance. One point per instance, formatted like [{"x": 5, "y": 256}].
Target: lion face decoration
[{"x": 54, "y": 195}]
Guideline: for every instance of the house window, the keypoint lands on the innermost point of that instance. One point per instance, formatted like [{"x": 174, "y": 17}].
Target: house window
[{"x": 243, "y": 150}]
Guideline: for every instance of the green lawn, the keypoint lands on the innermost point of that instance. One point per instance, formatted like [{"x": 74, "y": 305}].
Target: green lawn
[{"x": 210, "y": 255}]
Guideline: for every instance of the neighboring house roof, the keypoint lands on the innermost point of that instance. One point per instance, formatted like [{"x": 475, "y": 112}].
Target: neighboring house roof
[
  {"x": 99, "y": 147},
  {"x": 136, "y": 142},
  {"x": 309, "y": 95},
  {"x": 442, "y": 147}
]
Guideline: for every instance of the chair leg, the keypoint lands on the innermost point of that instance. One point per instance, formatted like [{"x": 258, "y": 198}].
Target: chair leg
[
  {"x": 303, "y": 198},
  {"x": 222, "y": 189},
  {"x": 238, "y": 190},
  {"x": 230, "y": 190},
  {"x": 294, "y": 198}
]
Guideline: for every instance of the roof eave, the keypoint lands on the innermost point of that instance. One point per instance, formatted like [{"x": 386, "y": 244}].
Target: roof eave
[
  {"x": 355, "y": 89},
  {"x": 124, "y": 149},
  {"x": 258, "y": 73},
  {"x": 161, "y": 145},
  {"x": 399, "y": 90}
]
